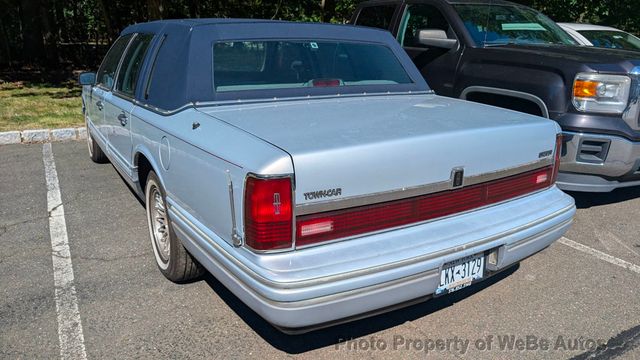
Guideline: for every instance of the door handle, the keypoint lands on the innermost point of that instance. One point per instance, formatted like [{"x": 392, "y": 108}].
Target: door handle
[
  {"x": 123, "y": 119},
  {"x": 99, "y": 105}
]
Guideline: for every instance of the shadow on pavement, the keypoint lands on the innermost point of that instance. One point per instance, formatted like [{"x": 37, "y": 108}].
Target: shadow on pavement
[
  {"x": 586, "y": 200},
  {"x": 296, "y": 344}
]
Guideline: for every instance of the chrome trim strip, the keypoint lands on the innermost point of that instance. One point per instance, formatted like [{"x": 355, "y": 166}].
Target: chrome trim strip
[
  {"x": 202, "y": 104},
  {"x": 235, "y": 237},
  {"x": 309, "y": 97},
  {"x": 354, "y": 201},
  {"x": 160, "y": 111},
  {"x": 362, "y": 272}
]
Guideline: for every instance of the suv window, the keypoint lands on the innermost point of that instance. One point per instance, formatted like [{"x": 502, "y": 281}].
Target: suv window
[
  {"x": 376, "y": 16},
  {"x": 132, "y": 63},
  {"x": 421, "y": 17},
  {"x": 107, "y": 72}
]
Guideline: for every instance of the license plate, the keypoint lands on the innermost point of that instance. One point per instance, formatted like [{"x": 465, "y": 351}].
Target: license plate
[{"x": 458, "y": 274}]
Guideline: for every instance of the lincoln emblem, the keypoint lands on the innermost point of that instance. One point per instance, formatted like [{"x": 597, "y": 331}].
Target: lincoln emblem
[
  {"x": 276, "y": 203},
  {"x": 457, "y": 177}
]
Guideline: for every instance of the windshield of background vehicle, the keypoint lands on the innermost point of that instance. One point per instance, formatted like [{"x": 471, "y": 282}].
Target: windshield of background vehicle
[
  {"x": 266, "y": 65},
  {"x": 611, "y": 39},
  {"x": 510, "y": 24}
]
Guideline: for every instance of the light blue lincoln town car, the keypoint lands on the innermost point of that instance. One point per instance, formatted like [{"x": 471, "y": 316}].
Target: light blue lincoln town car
[{"x": 311, "y": 170}]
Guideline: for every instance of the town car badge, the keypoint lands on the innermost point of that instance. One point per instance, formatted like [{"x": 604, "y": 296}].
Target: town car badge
[{"x": 322, "y": 194}]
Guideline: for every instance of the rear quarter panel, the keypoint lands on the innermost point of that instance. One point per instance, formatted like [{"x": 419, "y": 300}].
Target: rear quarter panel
[{"x": 195, "y": 165}]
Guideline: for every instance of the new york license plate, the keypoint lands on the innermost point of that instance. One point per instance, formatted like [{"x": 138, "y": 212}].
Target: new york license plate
[{"x": 460, "y": 273}]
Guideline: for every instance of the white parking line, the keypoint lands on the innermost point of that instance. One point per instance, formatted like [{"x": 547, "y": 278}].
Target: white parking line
[
  {"x": 600, "y": 255},
  {"x": 69, "y": 324}
]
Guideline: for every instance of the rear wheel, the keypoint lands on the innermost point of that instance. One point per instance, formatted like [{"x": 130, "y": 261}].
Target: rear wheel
[
  {"x": 173, "y": 260},
  {"x": 95, "y": 152}
]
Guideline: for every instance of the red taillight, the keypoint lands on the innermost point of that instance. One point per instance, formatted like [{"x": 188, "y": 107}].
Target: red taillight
[
  {"x": 556, "y": 158},
  {"x": 268, "y": 213},
  {"x": 517, "y": 185},
  {"x": 331, "y": 225},
  {"x": 325, "y": 82}
]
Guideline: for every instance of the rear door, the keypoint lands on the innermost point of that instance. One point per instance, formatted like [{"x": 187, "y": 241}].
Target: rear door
[
  {"x": 120, "y": 102},
  {"x": 105, "y": 79}
]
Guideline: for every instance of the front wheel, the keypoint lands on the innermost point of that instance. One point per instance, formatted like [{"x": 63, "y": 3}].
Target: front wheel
[{"x": 173, "y": 260}]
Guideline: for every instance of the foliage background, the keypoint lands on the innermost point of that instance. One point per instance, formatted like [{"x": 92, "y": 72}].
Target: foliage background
[{"x": 59, "y": 35}]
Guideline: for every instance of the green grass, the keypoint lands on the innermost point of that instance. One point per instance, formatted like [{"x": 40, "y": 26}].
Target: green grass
[{"x": 39, "y": 106}]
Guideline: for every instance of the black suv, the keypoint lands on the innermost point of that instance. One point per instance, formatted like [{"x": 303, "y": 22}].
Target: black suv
[{"x": 508, "y": 55}]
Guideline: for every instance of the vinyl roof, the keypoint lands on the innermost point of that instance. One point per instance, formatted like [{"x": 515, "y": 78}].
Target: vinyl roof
[{"x": 182, "y": 69}]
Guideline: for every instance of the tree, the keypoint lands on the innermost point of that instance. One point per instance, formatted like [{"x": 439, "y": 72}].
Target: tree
[
  {"x": 50, "y": 34},
  {"x": 154, "y": 9},
  {"x": 32, "y": 40},
  {"x": 78, "y": 32},
  {"x": 328, "y": 10}
]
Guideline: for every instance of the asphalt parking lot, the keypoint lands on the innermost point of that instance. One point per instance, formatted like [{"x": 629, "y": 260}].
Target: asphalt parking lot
[{"x": 582, "y": 291}]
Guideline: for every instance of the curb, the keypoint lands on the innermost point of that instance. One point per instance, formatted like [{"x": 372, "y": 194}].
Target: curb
[{"x": 42, "y": 135}]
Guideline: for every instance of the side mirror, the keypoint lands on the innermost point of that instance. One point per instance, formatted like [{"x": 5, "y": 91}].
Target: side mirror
[
  {"x": 87, "y": 78},
  {"x": 436, "y": 38}
]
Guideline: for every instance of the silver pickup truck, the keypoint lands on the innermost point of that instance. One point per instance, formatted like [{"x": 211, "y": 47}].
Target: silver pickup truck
[{"x": 312, "y": 171}]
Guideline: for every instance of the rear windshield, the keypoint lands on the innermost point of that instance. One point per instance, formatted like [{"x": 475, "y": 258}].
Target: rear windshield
[
  {"x": 611, "y": 39},
  {"x": 265, "y": 65}
]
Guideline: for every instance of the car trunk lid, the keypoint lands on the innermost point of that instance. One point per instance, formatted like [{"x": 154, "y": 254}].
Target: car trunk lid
[{"x": 344, "y": 148}]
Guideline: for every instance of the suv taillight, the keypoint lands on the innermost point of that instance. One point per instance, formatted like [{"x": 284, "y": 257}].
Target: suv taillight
[
  {"x": 556, "y": 158},
  {"x": 268, "y": 213}
]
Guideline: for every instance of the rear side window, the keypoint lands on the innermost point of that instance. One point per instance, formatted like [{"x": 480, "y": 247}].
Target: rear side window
[
  {"x": 132, "y": 63},
  {"x": 376, "y": 16},
  {"x": 153, "y": 67},
  {"x": 107, "y": 72},
  {"x": 262, "y": 65}
]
